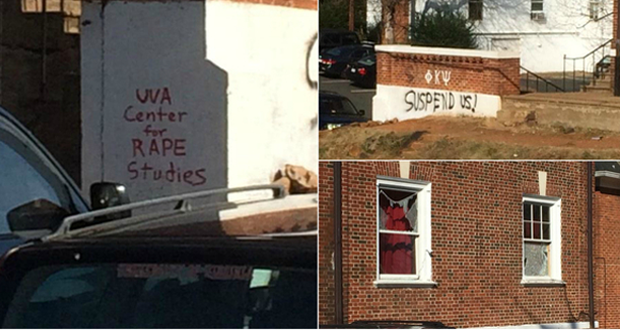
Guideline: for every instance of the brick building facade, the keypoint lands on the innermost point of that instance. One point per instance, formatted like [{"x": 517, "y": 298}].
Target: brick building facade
[
  {"x": 607, "y": 244},
  {"x": 470, "y": 71},
  {"x": 414, "y": 82},
  {"x": 479, "y": 267}
]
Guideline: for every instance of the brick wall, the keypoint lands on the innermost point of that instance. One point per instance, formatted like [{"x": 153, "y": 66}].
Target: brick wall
[
  {"x": 472, "y": 74},
  {"x": 326, "y": 244},
  {"x": 476, "y": 242},
  {"x": 607, "y": 260},
  {"x": 51, "y": 110}
]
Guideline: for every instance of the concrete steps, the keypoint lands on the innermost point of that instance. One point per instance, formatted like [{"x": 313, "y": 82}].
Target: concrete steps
[
  {"x": 599, "y": 85},
  {"x": 587, "y": 110}
]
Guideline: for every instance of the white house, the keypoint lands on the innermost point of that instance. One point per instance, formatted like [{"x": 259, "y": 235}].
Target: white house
[{"x": 542, "y": 31}]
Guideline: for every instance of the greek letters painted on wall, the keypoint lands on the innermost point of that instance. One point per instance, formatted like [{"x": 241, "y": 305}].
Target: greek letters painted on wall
[
  {"x": 438, "y": 77},
  {"x": 154, "y": 143},
  {"x": 440, "y": 101}
]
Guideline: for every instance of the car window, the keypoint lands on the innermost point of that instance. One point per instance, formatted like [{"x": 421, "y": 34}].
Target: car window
[
  {"x": 368, "y": 60},
  {"x": 337, "y": 106},
  {"x": 359, "y": 53},
  {"x": 340, "y": 51},
  {"x": 164, "y": 296},
  {"x": 329, "y": 39},
  {"x": 349, "y": 39},
  {"x": 26, "y": 177}
]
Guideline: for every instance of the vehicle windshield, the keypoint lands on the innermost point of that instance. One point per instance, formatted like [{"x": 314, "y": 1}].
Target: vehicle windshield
[
  {"x": 337, "y": 106},
  {"x": 340, "y": 51},
  {"x": 349, "y": 39},
  {"x": 368, "y": 60},
  {"x": 125, "y": 295},
  {"x": 33, "y": 195}
]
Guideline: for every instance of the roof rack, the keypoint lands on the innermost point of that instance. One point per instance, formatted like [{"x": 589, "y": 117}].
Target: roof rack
[
  {"x": 307, "y": 233},
  {"x": 368, "y": 43},
  {"x": 183, "y": 205}
]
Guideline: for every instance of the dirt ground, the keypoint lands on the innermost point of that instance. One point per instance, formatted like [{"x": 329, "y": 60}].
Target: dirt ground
[{"x": 439, "y": 137}]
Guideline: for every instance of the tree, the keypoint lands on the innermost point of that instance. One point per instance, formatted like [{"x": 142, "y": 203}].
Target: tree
[
  {"x": 443, "y": 27},
  {"x": 334, "y": 14}
]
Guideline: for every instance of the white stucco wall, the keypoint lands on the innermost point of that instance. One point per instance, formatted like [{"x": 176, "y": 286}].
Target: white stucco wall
[
  {"x": 411, "y": 103},
  {"x": 235, "y": 73},
  {"x": 507, "y": 25},
  {"x": 272, "y": 108},
  {"x": 566, "y": 30}
]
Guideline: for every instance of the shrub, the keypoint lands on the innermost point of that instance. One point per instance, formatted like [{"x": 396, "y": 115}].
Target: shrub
[{"x": 443, "y": 28}]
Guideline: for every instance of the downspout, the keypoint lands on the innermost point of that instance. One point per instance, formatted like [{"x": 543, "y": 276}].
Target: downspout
[
  {"x": 338, "y": 241},
  {"x": 44, "y": 53},
  {"x": 590, "y": 248},
  {"x": 1, "y": 48},
  {"x": 617, "y": 49}
]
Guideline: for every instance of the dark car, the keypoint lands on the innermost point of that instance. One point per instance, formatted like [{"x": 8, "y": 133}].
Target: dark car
[
  {"x": 199, "y": 265},
  {"x": 334, "y": 61},
  {"x": 363, "y": 72},
  {"x": 336, "y": 110},
  {"x": 202, "y": 263},
  {"x": 602, "y": 67},
  {"x": 330, "y": 38},
  {"x": 35, "y": 192}
]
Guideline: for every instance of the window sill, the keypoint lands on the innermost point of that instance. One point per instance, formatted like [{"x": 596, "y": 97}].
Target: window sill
[
  {"x": 542, "y": 282},
  {"x": 404, "y": 284}
]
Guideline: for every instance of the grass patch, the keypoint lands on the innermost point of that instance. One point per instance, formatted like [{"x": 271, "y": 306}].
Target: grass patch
[{"x": 445, "y": 148}]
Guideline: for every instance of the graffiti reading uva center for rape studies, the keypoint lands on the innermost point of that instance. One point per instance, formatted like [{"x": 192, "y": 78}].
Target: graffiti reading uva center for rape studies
[{"x": 155, "y": 141}]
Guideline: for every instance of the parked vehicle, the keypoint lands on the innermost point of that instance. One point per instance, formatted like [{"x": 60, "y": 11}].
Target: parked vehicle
[
  {"x": 202, "y": 263},
  {"x": 330, "y": 38},
  {"x": 36, "y": 194},
  {"x": 334, "y": 61},
  {"x": 363, "y": 72},
  {"x": 602, "y": 67},
  {"x": 336, "y": 110}
]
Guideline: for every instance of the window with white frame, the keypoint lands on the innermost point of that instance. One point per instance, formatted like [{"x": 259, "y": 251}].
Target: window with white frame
[
  {"x": 537, "y": 6},
  {"x": 403, "y": 232},
  {"x": 595, "y": 8},
  {"x": 541, "y": 239},
  {"x": 475, "y": 10}
]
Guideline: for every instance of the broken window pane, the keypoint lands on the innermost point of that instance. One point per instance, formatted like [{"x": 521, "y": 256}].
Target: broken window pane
[
  {"x": 383, "y": 218},
  {"x": 412, "y": 215},
  {"x": 398, "y": 210},
  {"x": 535, "y": 259}
]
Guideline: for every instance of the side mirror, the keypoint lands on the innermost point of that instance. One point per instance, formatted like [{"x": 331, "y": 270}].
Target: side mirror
[
  {"x": 108, "y": 194},
  {"x": 37, "y": 216},
  {"x": 362, "y": 112}
]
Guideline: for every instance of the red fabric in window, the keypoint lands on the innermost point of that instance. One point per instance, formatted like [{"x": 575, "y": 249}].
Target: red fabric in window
[{"x": 396, "y": 251}]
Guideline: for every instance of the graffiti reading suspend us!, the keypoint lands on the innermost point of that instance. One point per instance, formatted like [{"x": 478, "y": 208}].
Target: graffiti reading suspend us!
[
  {"x": 155, "y": 141},
  {"x": 440, "y": 101}
]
